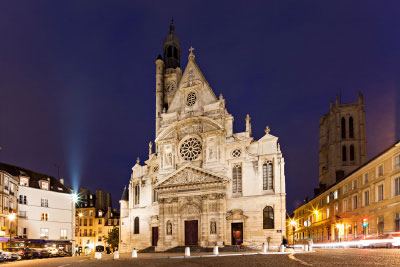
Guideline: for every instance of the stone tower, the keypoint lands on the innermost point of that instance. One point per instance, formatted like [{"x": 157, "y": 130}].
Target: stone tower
[
  {"x": 342, "y": 141},
  {"x": 168, "y": 73}
]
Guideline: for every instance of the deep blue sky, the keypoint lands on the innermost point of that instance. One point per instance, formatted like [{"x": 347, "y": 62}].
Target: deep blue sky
[{"x": 77, "y": 77}]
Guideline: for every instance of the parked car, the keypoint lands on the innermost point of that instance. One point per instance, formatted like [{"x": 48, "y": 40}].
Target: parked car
[
  {"x": 35, "y": 253},
  {"x": 11, "y": 254},
  {"x": 43, "y": 253},
  {"x": 2, "y": 258},
  {"x": 25, "y": 253},
  {"x": 53, "y": 252}
]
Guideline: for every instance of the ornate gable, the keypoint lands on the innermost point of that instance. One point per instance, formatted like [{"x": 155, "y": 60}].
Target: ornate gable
[{"x": 189, "y": 175}]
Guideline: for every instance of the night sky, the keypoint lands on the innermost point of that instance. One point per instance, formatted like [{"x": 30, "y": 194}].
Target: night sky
[{"x": 77, "y": 78}]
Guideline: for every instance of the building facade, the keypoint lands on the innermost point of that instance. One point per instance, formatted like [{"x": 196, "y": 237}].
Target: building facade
[
  {"x": 8, "y": 205},
  {"x": 342, "y": 141},
  {"x": 370, "y": 193},
  {"x": 45, "y": 214},
  {"x": 94, "y": 220},
  {"x": 202, "y": 184}
]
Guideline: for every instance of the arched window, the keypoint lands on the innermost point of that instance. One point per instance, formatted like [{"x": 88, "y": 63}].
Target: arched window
[
  {"x": 343, "y": 128},
  {"x": 344, "y": 153},
  {"x": 351, "y": 128},
  {"x": 137, "y": 195},
  {"x": 136, "y": 226},
  {"x": 237, "y": 179},
  {"x": 175, "y": 52},
  {"x": 268, "y": 176},
  {"x": 351, "y": 153},
  {"x": 268, "y": 218},
  {"x": 169, "y": 53}
]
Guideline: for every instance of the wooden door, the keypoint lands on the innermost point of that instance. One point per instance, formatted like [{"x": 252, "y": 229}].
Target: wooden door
[
  {"x": 191, "y": 233},
  {"x": 154, "y": 239}
]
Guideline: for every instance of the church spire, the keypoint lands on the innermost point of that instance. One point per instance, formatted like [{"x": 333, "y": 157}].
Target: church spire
[{"x": 172, "y": 48}]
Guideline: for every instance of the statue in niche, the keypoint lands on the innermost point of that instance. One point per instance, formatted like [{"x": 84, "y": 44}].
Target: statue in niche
[
  {"x": 169, "y": 228},
  {"x": 168, "y": 159},
  {"x": 211, "y": 153},
  {"x": 213, "y": 228}
]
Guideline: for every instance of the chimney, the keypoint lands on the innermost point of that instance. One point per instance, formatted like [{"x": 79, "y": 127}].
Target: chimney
[{"x": 61, "y": 180}]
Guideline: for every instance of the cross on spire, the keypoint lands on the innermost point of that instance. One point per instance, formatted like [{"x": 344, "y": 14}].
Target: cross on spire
[{"x": 191, "y": 50}]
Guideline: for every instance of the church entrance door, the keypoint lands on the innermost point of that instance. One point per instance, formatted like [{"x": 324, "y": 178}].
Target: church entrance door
[
  {"x": 154, "y": 236},
  {"x": 237, "y": 233},
  {"x": 191, "y": 233}
]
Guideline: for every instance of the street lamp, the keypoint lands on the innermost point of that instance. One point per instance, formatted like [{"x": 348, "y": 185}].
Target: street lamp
[
  {"x": 293, "y": 224},
  {"x": 11, "y": 218}
]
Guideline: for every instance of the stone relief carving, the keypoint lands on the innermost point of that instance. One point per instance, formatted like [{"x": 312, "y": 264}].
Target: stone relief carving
[
  {"x": 191, "y": 209},
  {"x": 212, "y": 207},
  {"x": 189, "y": 177},
  {"x": 212, "y": 154}
]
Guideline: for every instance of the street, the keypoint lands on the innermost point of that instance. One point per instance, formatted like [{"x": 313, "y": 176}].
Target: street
[{"x": 331, "y": 257}]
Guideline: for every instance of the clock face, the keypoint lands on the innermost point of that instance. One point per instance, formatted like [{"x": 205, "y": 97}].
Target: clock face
[{"x": 170, "y": 86}]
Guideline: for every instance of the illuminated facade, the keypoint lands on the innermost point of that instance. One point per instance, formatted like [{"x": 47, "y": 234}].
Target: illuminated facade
[
  {"x": 94, "y": 220},
  {"x": 202, "y": 184},
  {"x": 370, "y": 194}
]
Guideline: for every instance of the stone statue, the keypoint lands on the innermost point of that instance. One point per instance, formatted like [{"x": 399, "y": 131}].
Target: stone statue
[
  {"x": 213, "y": 228},
  {"x": 169, "y": 228}
]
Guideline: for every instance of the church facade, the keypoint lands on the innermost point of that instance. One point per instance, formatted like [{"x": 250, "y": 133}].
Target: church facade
[{"x": 202, "y": 184}]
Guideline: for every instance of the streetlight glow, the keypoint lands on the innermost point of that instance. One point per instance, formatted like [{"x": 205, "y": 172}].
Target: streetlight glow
[
  {"x": 74, "y": 197},
  {"x": 11, "y": 216}
]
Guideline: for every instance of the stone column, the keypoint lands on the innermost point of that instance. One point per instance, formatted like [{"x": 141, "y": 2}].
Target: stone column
[
  {"x": 175, "y": 223},
  {"x": 221, "y": 221},
  {"x": 161, "y": 228},
  {"x": 204, "y": 221}
]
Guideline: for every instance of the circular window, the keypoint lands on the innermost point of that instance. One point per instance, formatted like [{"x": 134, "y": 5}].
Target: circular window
[
  {"x": 190, "y": 149},
  {"x": 236, "y": 153},
  {"x": 191, "y": 99}
]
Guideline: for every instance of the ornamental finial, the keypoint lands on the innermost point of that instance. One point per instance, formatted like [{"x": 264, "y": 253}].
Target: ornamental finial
[
  {"x": 138, "y": 160},
  {"x": 267, "y": 129}
]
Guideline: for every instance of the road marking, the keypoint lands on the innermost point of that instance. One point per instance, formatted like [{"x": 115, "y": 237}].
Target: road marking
[
  {"x": 64, "y": 265},
  {"x": 292, "y": 257},
  {"x": 81, "y": 260}
]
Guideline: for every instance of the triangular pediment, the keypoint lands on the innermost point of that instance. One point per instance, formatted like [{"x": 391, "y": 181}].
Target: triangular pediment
[
  {"x": 192, "y": 80},
  {"x": 190, "y": 175}
]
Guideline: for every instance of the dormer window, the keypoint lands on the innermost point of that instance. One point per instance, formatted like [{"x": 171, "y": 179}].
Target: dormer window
[
  {"x": 24, "y": 181},
  {"x": 44, "y": 185},
  {"x": 100, "y": 213}
]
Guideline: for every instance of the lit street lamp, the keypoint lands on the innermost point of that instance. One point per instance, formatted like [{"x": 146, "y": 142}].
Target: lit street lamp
[
  {"x": 11, "y": 218},
  {"x": 293, "y": 224}
]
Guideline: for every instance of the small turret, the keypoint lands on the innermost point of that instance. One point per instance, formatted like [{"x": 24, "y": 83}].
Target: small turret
[
  {"x": 124, "y": 203},
  {"x": 172, "y": 49}
]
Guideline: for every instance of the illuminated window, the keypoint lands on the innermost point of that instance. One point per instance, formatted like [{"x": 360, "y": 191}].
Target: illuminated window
[
  {"x": 396, "y": 162},
  {"x": 24, "y": 181},
  {"x": 268, "y": 218},
  {"x": 63, "y": 234},
  {"x": 366, "y": 198},
  {"x": 336, "y": 194},
  {"x": 327, "y": 199},
  {"x": 268, "y": 177},
  {"x": 44, "y": 233},
  {"x": 380, "y": 171},
  {"x": 44, "y": 185},
  {"x": 237, "y": 179},
  {"x": 380, "y": 192}
]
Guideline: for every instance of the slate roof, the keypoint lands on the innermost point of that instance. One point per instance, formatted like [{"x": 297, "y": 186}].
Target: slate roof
[{"x": 35, "y": 177}]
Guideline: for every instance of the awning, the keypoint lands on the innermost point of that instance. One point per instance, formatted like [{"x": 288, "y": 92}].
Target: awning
[{"x": 4, "y": 239}]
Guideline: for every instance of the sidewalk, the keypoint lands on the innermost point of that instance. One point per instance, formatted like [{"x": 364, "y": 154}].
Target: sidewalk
[{"x": 162, "y": 255}]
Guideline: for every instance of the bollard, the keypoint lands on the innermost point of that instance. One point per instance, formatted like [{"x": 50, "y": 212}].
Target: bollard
[
  {"x": 97, "y": 255},
  {"x": 134, "y": 253},
  {"x": 264, "y": 248},
  {"x": 305, "y": 247},
  {"x": 215, "y": 251},
  {"x": 187, "y": 251},
  {"x": 282, "y": 248},
  {"x": 116, "y": 255},
  {"x": 310, "y": 248}
]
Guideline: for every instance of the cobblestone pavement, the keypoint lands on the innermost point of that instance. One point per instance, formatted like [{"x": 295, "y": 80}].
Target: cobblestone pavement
[{"x": 333, "y": 257}]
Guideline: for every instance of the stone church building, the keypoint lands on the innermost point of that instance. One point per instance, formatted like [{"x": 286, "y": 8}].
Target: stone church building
[{"x": 202, "y": 184}]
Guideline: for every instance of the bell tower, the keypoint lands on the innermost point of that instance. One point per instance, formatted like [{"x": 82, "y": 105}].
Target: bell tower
[
  {"x": 168, "y": 73},
  {"x": 342, "y": 141}
]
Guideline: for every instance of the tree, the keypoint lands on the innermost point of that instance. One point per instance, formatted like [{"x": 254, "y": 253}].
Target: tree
[{"x": 112, "y": 238}]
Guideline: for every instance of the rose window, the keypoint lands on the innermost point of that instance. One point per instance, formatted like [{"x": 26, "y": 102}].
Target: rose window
[
  {"x": 190, "y": 149},
  {"x": 236, "y": 153},
  {"x": 191, "y": 99}
]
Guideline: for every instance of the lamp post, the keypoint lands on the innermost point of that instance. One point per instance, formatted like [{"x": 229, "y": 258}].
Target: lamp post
[
  {"x": 75, "y": 202},
  {"x": 11, "y": 218}
]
